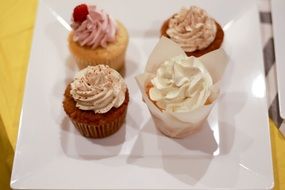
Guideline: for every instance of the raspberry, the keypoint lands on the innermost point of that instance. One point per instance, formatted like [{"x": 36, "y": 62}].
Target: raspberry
[{"x": 80, "y": 13}]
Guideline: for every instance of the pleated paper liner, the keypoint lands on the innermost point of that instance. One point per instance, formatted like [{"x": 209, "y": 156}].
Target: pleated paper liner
[{"x": 100, "y": 131}]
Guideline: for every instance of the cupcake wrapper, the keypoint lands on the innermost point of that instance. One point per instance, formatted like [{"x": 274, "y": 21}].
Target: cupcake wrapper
[
  {"x": 100, "y": 131},
  {"x": 175, "y": 132},
  {"x": 115, "y": 62}
]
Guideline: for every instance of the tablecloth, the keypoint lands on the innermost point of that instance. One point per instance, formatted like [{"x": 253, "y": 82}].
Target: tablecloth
[{"x": 17, "y": 21}]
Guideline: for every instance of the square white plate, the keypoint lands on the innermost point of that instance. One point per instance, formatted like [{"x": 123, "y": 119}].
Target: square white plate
[{"x": 232, "y": 151}]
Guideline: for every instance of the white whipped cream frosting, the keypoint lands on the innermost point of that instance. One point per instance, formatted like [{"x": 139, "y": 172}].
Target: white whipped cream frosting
[
  {"x": 181, "y": 84},
  {"x": 192, "y": 29},
  {"x": 98, "y": 88}
]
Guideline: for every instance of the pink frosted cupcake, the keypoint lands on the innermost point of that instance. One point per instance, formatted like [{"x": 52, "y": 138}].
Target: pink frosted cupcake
[{"x": 96, "y": 38}]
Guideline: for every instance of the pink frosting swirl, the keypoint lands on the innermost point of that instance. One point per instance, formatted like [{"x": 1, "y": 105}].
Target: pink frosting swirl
[
  {"x": 98, "y": 29},
  {"x": 192, "y": 28}
]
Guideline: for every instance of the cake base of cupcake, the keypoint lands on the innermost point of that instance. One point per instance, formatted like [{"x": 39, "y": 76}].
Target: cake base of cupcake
[
  {"x": 113, "y": 55},
  {"x": 216, "y": 44},
  {"x": 116, "y": 63},
  {"x": 100, "y": 131},
  {"x": 91, "y": 124}
]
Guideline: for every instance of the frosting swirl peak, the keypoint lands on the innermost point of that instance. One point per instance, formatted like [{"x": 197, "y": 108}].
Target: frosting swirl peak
[
  {"x": 98, "y": 88},
  {"x": 98, "y": 29},
  {"x": 192, "y": 29},
  {"x": 181, "y": 84}
]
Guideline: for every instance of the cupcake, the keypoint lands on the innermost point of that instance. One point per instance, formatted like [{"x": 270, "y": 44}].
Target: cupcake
[
  {"x": 194, "y": 30},
  {"x": 96, "y": 38},
  {"x": 96, "y": 101},
  {"x": 180, "y": 84},
  {"x": 180, "y": 91}
]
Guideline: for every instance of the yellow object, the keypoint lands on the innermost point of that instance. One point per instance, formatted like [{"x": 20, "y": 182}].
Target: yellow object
[
  {"x": 17, "y": 21},
  {"x": 278, "y": 157}
]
